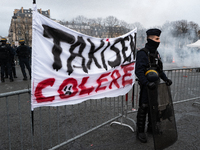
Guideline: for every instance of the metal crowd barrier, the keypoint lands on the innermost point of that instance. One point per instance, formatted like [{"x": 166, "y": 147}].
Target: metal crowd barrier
[{"x": 56, "y": 127}]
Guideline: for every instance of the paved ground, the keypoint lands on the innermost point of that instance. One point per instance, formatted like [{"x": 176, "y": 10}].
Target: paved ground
[
  {"x": 18, "y": 83},
  {"x": 122, "y": 138}
]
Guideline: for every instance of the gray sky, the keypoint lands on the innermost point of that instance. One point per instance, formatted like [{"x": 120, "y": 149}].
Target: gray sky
[{"x": 149, "y": 13}]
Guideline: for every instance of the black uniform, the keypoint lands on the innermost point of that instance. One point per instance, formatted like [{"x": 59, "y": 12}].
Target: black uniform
[
  {"x": 142, "y": 65},
  {"x": 6, "y": 54},
  {"x": 148, "y": 58},
  {"x": 12, "y": 63},
  {"x": 23, "y": 53}
]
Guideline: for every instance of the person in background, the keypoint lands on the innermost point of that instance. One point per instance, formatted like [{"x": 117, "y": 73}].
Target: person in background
[
  {"x": 12, "y": 62},
  {"x": 23, "y": 53},
  {"x": 6, "y": 54}
]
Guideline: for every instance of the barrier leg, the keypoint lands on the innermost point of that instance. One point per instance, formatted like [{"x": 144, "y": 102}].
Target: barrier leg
[
  {"x": 197, "y": 103},
  {"x": 124, "y": 116}
]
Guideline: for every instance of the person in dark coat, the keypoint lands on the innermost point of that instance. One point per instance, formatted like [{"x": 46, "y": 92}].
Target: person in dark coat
[
  {"x": 12, "y": 62},
  {"x": 23, "y": 53},
  {"x": 148, "y": 59},
  {"x": 5, "y": 60}
]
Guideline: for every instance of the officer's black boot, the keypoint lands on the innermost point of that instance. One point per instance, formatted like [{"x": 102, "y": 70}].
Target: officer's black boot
[
  {"x": 141, "y": 119},
  {"x": 2, "y": 79},
  {"x": 25, "y": 78},
  {"x": 11, "y": 79},
  {"x": 14, "y": 72}
]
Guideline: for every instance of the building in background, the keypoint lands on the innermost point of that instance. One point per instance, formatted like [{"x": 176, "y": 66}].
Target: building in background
[{"x": 21, "y": 25}]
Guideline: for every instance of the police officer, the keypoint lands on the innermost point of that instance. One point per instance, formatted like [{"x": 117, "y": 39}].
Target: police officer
[
  {"x": 148, "y": 61},
  {"x": 23, "y": 53},
  {"x": 12, "y": 62},
  {"x": 5, "y": 59}
]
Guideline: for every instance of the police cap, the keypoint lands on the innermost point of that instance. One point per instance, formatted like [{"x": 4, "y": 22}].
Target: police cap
[
  {"x": 3, "y": 39},
  {"x": 153, "y": 31},
  {"x": 22, "y": 41}
]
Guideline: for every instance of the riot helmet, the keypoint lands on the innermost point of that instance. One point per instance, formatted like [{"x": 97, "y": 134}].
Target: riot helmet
[
  {"x": 22, "y": 41},
  {"x": 152, "y": 75},
  {"x": 3, "y": 39}
]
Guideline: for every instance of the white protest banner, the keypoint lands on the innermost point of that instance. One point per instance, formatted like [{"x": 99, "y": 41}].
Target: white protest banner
[{"x": 69, "y": 67}]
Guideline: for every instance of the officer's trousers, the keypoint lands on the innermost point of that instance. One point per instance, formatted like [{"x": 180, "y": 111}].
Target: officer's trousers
[
  {"x": 4, "y": 65},
  {"x": 24, "y": 61},
  {"x": 143, "y": 99}
]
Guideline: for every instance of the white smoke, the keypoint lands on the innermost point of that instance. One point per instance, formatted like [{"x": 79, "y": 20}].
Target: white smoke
[{"x": 174, "y": 50}]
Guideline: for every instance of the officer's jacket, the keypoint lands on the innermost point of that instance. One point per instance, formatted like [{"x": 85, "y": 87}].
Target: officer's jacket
[
  {"x": 6, "y": 52},
  {"x": 23, "y": 51},
  {"x": 142, "y": 65}
]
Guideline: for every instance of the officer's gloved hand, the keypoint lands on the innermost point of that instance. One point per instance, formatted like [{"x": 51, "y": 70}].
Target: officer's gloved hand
[
  {"x": 151, "y": 85},
  {"x": 168, "y": 82}
]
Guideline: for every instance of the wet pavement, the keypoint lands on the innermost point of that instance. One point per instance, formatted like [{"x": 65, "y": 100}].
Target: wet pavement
[
  {"x": 118, "y": 137},
  {"x": 17, "y": 84}
]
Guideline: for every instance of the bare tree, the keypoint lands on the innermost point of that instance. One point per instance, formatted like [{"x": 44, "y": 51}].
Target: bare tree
[
  {"x": 111, "y": 22},
  {"x": 81, "y": 20},
  {"x": 141, "y": 33},
  {"x": 99, "y": 21},
  {"x": 92, "y": 21},
  {"x": 111, "y": 26},
  {"x": 137, "y": 25},
  {"x": 124, "y": 24},
  {"x": 193, "y": 29},
  {"x": 180, "y": 28}
]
